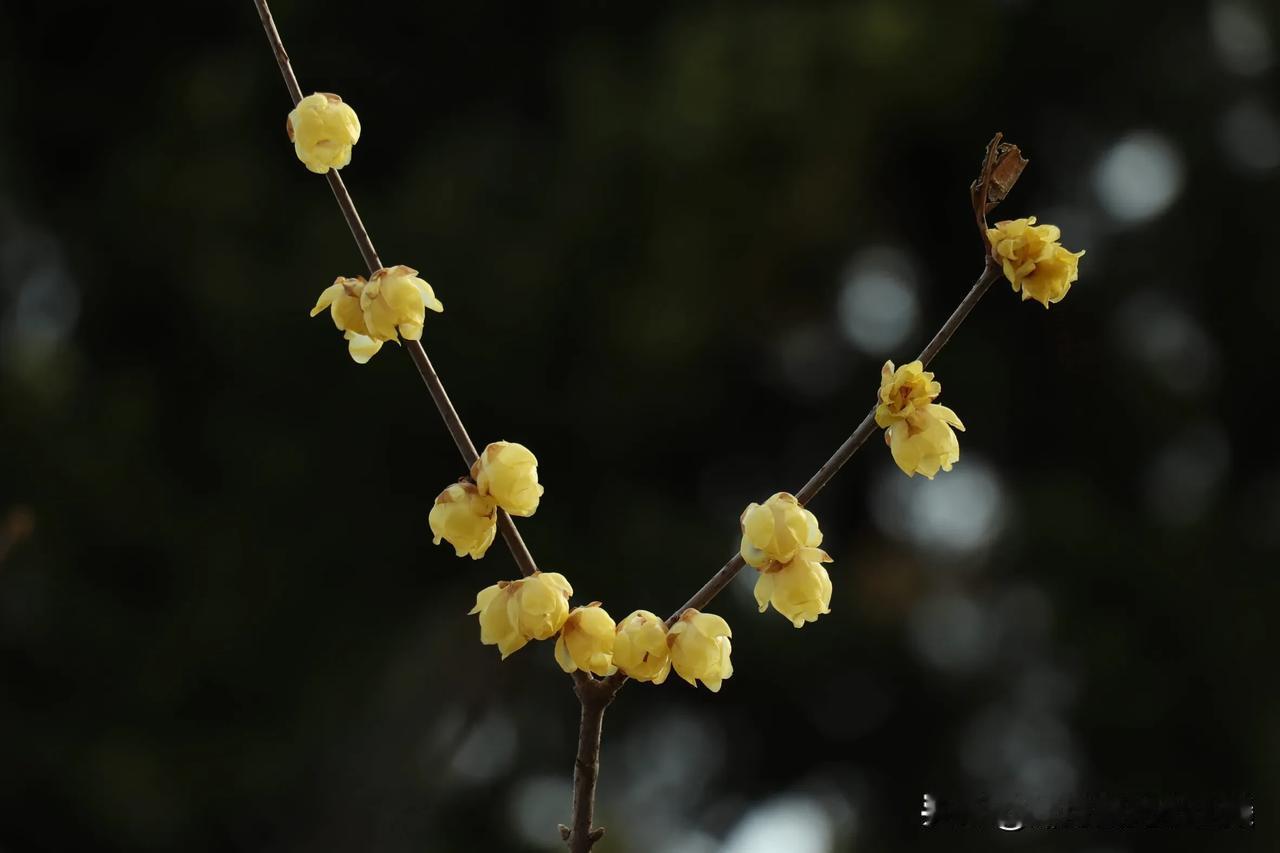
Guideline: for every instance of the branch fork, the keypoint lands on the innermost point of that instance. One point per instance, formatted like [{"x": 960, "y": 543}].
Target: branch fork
[{"x": 1002, "y": 165}]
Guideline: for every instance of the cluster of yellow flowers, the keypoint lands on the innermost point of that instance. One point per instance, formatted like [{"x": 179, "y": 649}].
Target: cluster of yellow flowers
[
  {"x": 917, "y": 430},
  {"x": 465, "y": 514},
  {"x": 394, "y": 301},
  {"x": 392, "y": 304},
  {"x": 640, "y": 646},
  {"x": 1033, "y": 260},
  {"x": 780, "y": 540}
]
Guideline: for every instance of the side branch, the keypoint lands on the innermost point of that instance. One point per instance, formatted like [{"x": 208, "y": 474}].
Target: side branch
[
  {"x": 824, "y": 475},
  {"x": 859, "y": 437},
  {"x": 467, "y": 449}
]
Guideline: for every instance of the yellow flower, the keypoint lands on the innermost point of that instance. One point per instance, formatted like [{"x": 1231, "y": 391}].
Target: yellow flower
[
  {"x": 640, "y": 648},
  {"x": 342, "y": 298},
  {"x": 508, "y": 473},
  {"x": 917, "y": 430},
  {"x": 396, "y": 300},
  {"x": 465, "y": 518},
  {"x": 776, "y": 530},
  {"x": 514, "y": 612},
  {"x": 800, "y": 590},
  {"x": 586, "y": 641},
  {"x": 699, "y": 648},
  {"x": 1033, "y": 260},
  {"x": 323, "y": 129}
]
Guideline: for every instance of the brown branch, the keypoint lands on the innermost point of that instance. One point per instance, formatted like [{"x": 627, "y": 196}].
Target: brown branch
[
  {"x": 1002, "y": 164},
  {"x": 864, "y": 430},
  {"x": 595, "y": 696},
  {"x": 467, "y": 449}
]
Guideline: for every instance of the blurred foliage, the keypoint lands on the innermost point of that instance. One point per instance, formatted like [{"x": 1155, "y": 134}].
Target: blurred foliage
[{"x": 227, "y": 628}]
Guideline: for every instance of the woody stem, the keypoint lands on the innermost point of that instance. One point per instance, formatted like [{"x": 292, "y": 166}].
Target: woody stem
[
  {"x": 843, "y": 454},
  {"x": 457, "y": 431}
]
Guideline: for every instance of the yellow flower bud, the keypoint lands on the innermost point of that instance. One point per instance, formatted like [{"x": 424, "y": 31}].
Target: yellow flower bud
[
  {"x": 800, "y": 590},
  {"x": 323, "y": 129},
  {"x": 586, "y": 641},
  {"x": 508, "y": 473},
  {"x": 465, "y": 518},
  {"x": 1033, "y": 260},
  {"x": 396, "y": 300},
  {"x": 699, "y": 648},
  {"x": 917, "y": 430},
  {"x": 776, "y": 530},
  {"x": 342, "y": 298},
  {"x": 496, "y": 626},
  {"x": 514, "y": 612},
  {"x": 640, "y": 648}
]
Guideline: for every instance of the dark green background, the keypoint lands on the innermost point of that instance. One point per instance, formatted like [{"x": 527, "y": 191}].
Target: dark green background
[{"x": 229, "y": 630}]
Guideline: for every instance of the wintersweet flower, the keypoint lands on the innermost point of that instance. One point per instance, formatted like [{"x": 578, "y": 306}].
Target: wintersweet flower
[
  {"x": 800, "y": 590},
  {"x": 1033, "y": 260},
  {"x": 699, "y": 648},
  {"x": 508, "y": 473},
  {"x": 465, "y": 518},
  {"x": 396, "y": 300},
  {"x": 917, "y": 430},
  {"x": 342, "y": 298},
  {"x": 586, "y": 641},
  {"x": 640, "y": 647},
  {"x": 514, "y": 612},
  {"x": 776, "y": 530},
  {"x": 323, "y": 129}
]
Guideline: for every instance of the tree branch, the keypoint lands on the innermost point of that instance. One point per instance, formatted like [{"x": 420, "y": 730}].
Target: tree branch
[
  {"x": 857, "y": 438},
  {"x": 595, "y": 696},
  {"x": 515, "y": 543}
]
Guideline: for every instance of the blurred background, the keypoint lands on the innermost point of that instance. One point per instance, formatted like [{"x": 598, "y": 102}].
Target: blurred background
[{"x": 675, "y": 242}]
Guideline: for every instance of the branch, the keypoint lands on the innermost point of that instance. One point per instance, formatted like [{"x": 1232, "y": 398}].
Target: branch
[
  {"x": 595, "y": 696},
  {"x": 1002, "y": 165},
  {"x": 824, "y": 475},
  {"x": 519, "y": 551}
]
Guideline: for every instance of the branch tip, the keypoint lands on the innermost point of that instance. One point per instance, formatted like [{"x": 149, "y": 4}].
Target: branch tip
[{"x": 1002, "y": 165}]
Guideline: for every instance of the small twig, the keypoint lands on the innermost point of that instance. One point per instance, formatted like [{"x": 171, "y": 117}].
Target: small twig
[
  {"x": 1002, "y": 164},
  {"x": 467, "y": 449},
  {"x": 824, "y": 475}
]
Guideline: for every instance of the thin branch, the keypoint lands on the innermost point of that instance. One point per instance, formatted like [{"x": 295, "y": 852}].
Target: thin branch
[
  {"x": 864, "y": 430},
  {"x": 466, "y": 448},
  {"x": 595, "y": 696}
]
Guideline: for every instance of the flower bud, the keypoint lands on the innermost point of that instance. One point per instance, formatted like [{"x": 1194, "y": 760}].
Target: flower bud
[
  {"x": 800, "y": 590},
  {"x": 776, "y": 530},
  {"x": 396, "y": 300},
  {"x": 342, "y": 298},
  {"x": 699, "y": 648},
  {"x": 1033, "y": 260},
  {"x": 323, "y": 129},
  {"x": 640, "y": 647},
  {"x": 508, "y": 473},
  {"x": 465, "y": 518},
  {"x": 917, "y": 430},
  {"x": 514, "y": 612},
  {"x": 496, "y": 626},
  {"x": 586, "y": 641}
]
